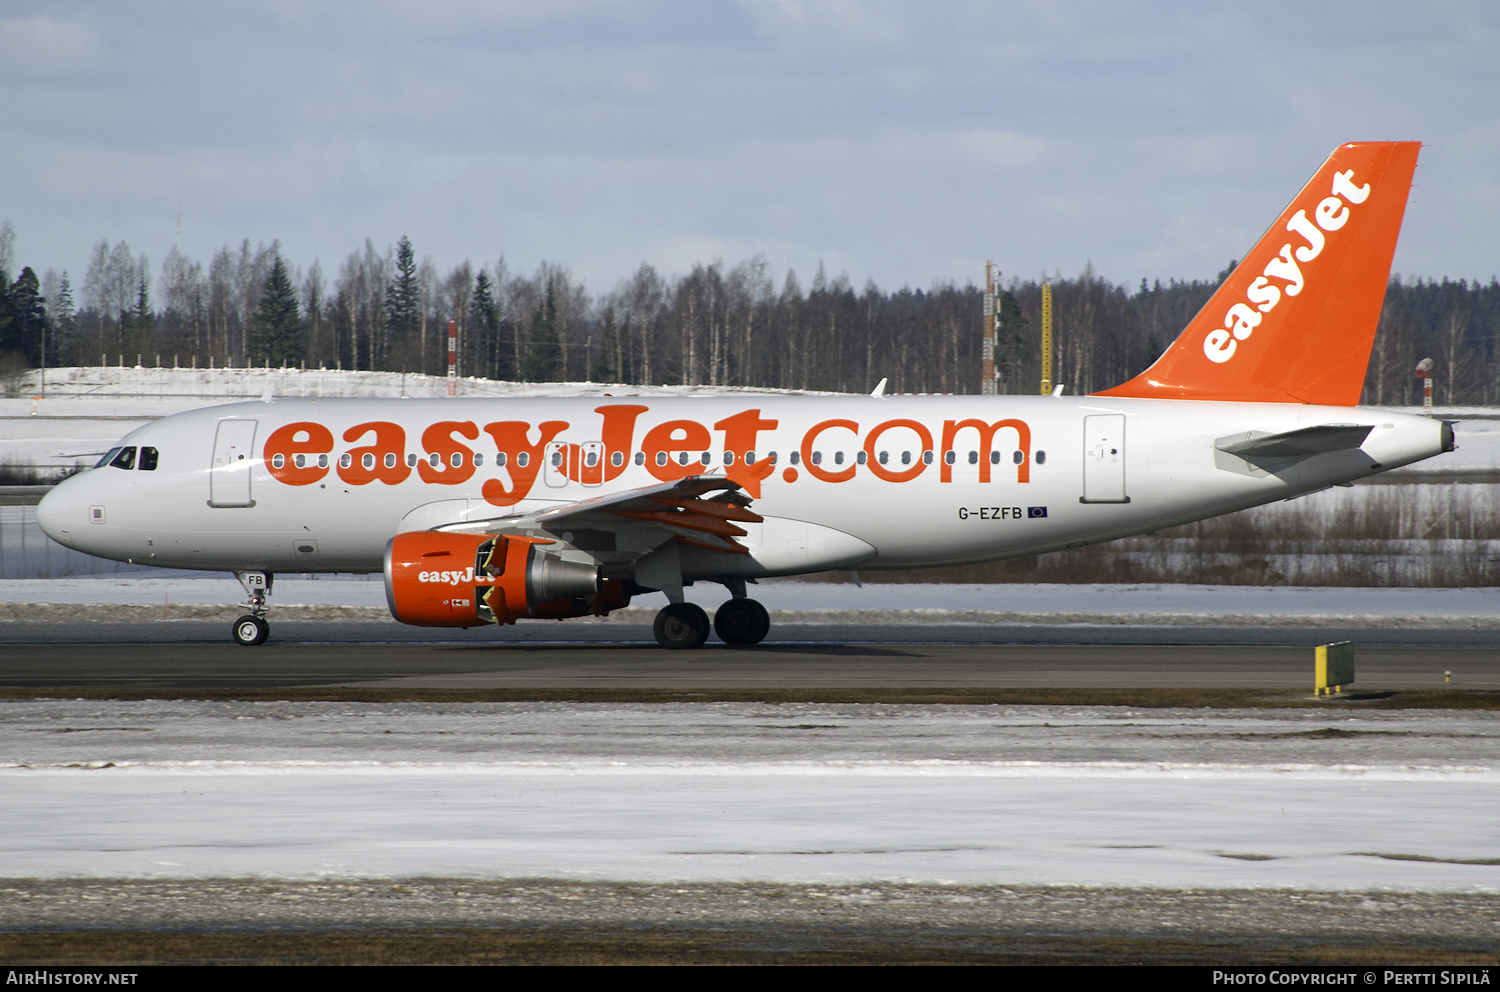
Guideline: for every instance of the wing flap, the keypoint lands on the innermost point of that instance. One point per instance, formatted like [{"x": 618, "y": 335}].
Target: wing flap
[{"x": 701, "y": 510}]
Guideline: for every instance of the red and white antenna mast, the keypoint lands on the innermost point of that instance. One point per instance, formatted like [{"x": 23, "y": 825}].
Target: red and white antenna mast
[
  {"x": 1424, "y": 372},
  {"x": 452, "y": 358}
]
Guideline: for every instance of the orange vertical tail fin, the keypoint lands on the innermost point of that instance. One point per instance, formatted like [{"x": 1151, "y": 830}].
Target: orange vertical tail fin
[{"x": 1295, "y": 320}]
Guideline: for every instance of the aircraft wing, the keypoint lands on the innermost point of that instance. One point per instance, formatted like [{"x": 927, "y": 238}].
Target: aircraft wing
[
  {"x": 701, "y": 510},
  {"x": 1296, "y": 444}
]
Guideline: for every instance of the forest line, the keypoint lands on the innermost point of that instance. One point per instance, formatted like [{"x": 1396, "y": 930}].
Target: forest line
[{"x": 732, "y": 325}]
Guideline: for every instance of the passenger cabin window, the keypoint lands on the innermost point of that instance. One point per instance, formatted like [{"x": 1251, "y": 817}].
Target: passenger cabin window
[
  {"x": 148, "y": 459},
  {"x": 125, "y": 459}
]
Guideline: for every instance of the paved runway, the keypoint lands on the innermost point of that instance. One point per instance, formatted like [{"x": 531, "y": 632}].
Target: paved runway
[{"x": 198, "y": 655}]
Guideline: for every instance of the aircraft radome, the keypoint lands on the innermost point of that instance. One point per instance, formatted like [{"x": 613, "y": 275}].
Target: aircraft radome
[{"x": 487, "y": 511}]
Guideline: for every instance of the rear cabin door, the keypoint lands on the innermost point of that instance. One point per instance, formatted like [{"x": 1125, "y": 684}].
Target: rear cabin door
[
  {"x": 234, "y": 453},
  {"x": 1104, "y": 459}
]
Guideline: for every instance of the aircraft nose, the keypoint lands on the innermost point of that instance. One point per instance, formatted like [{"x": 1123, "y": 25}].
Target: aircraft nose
[{"x": 54, "y": 514}]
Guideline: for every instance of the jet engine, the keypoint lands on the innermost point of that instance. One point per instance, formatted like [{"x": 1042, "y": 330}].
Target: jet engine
[{"x": 436, "y": 579}]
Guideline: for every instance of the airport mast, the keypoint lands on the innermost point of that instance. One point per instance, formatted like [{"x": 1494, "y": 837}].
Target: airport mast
[
  {"x": 1046, "y": 337},
  {"x": 988, "y": 374},
  {"x": 452, "y": 358}
]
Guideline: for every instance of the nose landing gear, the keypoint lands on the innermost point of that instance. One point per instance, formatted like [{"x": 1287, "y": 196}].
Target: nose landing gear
[{"x": 252, "y": 628}]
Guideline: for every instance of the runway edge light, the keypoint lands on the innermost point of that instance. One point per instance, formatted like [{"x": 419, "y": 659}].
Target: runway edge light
[{"x": 1333, "y": 667}]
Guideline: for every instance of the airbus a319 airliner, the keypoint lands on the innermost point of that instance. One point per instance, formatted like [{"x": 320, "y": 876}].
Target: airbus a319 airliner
[{"x": 489, "y": 511}]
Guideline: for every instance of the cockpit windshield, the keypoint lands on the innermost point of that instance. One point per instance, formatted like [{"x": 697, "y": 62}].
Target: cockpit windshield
[
  {"x": 125, "y": 459},
  {"x": 109, "y": 456}
]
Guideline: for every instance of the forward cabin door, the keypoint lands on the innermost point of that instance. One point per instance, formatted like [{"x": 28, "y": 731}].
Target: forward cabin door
[
  {"x": 234, "y": 453},
  {"x": 1104, "y": 459}
]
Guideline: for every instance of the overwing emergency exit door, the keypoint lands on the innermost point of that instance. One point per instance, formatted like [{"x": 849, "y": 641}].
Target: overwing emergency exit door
[
  {"x": 1104, "y": 459},
  {"x": 234, "y": 453},
  {"x": 555, "y": 467}
]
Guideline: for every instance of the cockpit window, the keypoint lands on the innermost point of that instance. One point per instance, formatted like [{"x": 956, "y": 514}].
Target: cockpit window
[
  {"x": 125, "y": 459},
  {"x": 148, "y": 459},
  {"x": 109, "y": 456}
]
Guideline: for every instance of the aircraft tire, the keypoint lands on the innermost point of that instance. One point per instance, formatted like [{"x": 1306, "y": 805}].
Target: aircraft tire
[
  {"x": 681, "y": 626},
  {"x": 742, "y": 622},
  {"x": 251, "y": 630}
]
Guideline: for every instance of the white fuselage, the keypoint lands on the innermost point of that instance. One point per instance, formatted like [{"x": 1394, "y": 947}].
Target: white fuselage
[{"x": 1062, "y": 472}]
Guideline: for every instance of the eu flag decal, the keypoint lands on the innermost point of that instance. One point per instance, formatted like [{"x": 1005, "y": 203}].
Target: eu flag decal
[{"x": 1032, "y": 512}]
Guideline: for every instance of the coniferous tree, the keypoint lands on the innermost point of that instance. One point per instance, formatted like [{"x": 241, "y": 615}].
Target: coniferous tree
[
  {"x": 539, "y": 362},
  {"x": 24, "y": 318},
  {"x": 403, "y": 298},
  {"x": 483, "y": 318},
  {"x": 276, "y": 335},
  {"x": 61, "y": 318}
]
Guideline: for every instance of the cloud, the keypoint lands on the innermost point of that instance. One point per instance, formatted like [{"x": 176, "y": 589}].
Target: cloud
[
  {"x": 907, "y": 143},
  {"x": 42, "y": 47}
]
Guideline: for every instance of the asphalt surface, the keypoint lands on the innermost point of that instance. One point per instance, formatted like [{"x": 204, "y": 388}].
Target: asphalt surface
[{"x": 199, "y": 654}]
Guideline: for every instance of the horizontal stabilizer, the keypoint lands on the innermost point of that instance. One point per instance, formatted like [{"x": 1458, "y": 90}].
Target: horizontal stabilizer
[{"x": 1296, "y": 444}]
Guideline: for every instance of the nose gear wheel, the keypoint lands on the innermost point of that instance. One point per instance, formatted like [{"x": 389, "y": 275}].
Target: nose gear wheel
[{"x": 251, "y": 630}]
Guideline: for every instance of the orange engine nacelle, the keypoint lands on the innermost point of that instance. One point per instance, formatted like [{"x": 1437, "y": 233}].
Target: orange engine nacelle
[{"x": 435, "y": 579}]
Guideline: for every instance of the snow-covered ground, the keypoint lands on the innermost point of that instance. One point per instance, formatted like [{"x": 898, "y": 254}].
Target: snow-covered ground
[
  {"x": 1233, "y": 604},
  {"x": 724, "y": 792}
]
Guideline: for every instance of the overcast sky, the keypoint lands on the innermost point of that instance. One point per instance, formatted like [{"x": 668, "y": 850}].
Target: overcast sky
[{"x": 902, "y": 142}]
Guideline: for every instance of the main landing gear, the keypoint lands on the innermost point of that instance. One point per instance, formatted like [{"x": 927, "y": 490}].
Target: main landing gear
[
  {"x": 739, "y": 622},
  {"x": 742, "y": 621},
  {"x": 252, "y": 628}
]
